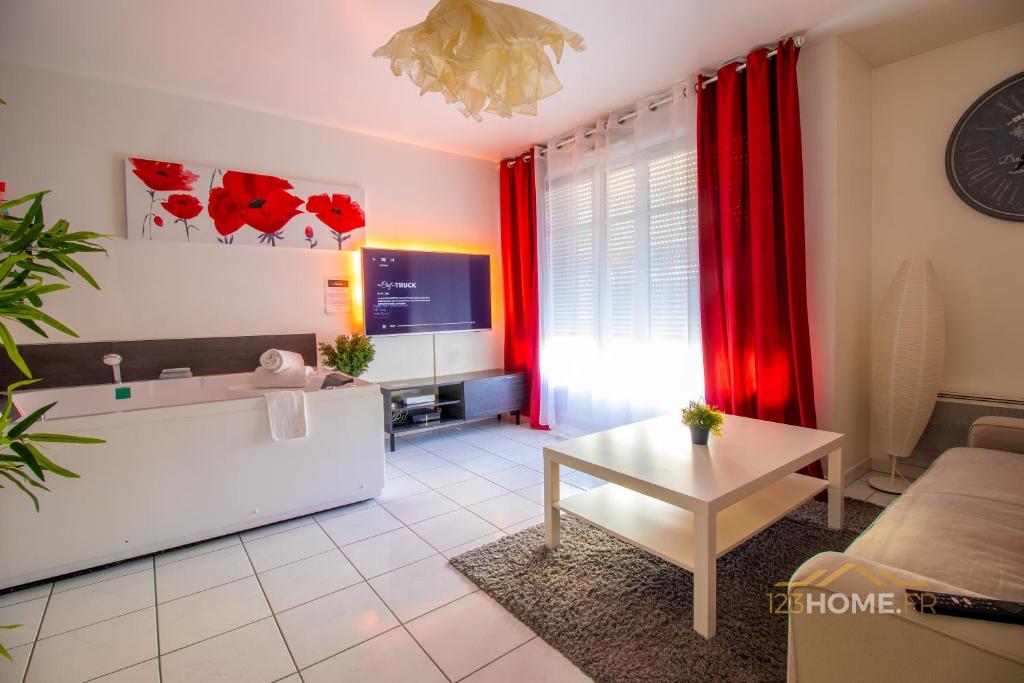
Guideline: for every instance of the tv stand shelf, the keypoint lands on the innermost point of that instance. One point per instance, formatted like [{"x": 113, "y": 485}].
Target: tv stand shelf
[{"x": 461, "y": 398}]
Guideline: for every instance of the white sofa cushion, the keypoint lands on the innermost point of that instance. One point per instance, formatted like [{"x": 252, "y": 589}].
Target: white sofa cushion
[{"x": 962, "y": 524}]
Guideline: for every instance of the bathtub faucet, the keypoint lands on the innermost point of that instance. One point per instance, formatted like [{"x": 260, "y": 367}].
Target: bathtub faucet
[{"x": 114, "y": 361}]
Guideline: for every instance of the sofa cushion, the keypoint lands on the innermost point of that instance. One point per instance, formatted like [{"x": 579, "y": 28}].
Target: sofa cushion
[{"x": 962, "y": 523}]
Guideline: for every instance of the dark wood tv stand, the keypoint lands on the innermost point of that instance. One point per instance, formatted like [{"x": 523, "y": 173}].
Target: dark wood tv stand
[{"x": 461, "y": 398}]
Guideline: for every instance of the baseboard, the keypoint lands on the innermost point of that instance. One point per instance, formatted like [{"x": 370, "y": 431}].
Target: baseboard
[
  {"x": 856, "y": 471},
  {"x": 909, "y": 471}
]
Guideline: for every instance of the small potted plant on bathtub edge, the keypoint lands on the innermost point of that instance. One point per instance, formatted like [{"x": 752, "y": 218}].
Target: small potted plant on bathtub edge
[
  {"x": 350, "y": 354},
  {"x": 703, "y": 419}
]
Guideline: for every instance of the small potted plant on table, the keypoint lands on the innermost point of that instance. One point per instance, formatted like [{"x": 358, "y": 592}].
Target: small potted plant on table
[
  {"x": 703, "y": 419},
  {"x": 350, "y": 354}
]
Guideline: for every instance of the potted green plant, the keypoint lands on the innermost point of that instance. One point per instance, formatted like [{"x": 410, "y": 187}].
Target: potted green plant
[
  {"x": 350, "y": 354},
  {"x": 34, "y": 262},
  {"x": 703, "y": 419}
]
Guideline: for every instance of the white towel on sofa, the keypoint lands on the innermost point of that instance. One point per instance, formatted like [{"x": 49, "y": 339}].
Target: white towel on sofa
[
  {"x": 276, "y": 360},
  {"x": 286, "y": 411},
  {"x": 292, "y": 378}
]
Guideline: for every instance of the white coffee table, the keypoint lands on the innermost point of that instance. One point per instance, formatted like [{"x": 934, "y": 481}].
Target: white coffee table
[{"x": 692, "y": 504}]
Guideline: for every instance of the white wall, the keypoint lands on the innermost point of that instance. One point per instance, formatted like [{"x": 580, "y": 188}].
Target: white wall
[
  {"x": 876, "y": 193},
  {"x": 71, "y": 134},
  {"x": 835, "y": 103},
  {"x": 978, "y": 259}
]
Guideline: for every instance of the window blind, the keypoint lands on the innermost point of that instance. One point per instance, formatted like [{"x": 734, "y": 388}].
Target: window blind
[{"x": 646, "y": 251}]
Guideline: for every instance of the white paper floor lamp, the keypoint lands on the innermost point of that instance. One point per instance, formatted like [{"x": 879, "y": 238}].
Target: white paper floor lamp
[{"x": 909, "y": 352}]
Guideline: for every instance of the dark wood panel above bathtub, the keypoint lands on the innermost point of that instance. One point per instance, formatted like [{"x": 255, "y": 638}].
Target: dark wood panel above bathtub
[
  {"x": 75, "y": 364},
  {"x": 70, "y": 364},
  {"x": 142, "y": 360},
  {"x": 211, "y": 356}
]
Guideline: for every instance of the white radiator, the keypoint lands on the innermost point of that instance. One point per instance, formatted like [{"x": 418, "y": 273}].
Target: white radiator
[{"x": 952, "y": 419}]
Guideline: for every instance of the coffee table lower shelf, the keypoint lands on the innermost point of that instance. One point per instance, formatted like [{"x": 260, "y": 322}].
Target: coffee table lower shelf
[{"x": 667, "y": 531}]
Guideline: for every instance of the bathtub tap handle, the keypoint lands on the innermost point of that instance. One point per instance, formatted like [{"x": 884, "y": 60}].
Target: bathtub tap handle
[{"x": 114, "y": 361}]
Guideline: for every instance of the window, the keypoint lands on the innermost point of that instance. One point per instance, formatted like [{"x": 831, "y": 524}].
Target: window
[
  {"x": 571, "y": 211},
  {"x": 646, "y": 251},
  {"x": 618, "y": 272}
]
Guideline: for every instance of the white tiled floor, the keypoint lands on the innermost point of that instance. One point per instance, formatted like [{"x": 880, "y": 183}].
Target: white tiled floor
[
  {"x": 860, "y": 490},
  {"x": 361, "y": 593}
]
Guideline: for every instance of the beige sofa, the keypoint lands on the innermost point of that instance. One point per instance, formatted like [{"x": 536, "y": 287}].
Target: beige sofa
[{"x": 958, "y": 529}]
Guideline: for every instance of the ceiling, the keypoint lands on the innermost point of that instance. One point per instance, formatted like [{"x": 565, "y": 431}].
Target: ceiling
[{"x": 311, "y": 60}]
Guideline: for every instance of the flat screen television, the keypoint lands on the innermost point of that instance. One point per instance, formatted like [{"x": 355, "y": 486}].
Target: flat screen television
[{"x": 410, "y": 292}]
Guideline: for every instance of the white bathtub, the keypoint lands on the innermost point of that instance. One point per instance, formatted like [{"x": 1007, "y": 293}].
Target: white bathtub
[{"x": 185, "y": 460}]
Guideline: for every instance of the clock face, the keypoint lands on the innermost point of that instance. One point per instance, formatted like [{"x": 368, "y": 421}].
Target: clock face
[{"x": 985, "y": 154}]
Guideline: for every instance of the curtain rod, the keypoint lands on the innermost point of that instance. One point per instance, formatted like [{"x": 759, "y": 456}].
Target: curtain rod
[
  {"x": 653, "y": 106},
  {"x": 797, "y": 40}
]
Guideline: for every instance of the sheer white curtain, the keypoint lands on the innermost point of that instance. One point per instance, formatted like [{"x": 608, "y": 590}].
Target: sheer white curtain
[{"x": 617, "y": 241}]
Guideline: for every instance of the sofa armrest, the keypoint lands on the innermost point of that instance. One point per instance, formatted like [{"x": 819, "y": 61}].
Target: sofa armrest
[
  {"x": 998, "y": 434},
  {"x": 892, "y": 644}
]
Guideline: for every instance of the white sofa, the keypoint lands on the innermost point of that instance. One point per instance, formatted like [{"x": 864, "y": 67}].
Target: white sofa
[{"x": 958, "y": 529}]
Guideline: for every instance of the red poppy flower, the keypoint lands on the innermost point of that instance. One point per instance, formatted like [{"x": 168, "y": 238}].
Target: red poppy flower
[
  {"x": 260, "y": 201},
  {"x": 339, "y": 212},
  {"x": 183, "y": 206},
  {"x": 309, "y": 231},
  {"x": 158, "y": 221},
  {"x": 163, "y": 176}
]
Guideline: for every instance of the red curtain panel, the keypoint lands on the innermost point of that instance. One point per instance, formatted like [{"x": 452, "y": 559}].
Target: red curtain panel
[
  {"x": 519, "y": 274},
  {"x": 753, "y": 298}
]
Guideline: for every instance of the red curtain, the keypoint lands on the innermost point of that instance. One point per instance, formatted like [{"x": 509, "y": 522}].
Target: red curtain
[
  {"x": 753, "y": 290},
  {"x": 519, "y": 274}
]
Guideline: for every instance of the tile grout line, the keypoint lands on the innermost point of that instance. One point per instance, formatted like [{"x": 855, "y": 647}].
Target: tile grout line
[
  {"x": 94, "y": 623},
  {"x": 401, "y": 624},
  {"x": 270, "y": 607},
  {"x": 460, "y": 507},
  {"x": 123, "y": 668},
  {"x": 156, "y": 617},
  {"x": 354, "y": 645},
  {"x": 442, "y": 552},
  {"x": 522, "y": 644},
  {"x": 216, "y": 635},
  {"x": 202, "y": 554},
  {"x": 39, "y": 629},
  {"x": 96, "y": 583},
  {"x": 464, "y": 507},
  {"x": 313, "y": 520}
]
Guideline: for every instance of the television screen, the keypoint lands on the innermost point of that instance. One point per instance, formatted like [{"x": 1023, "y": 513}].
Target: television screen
[{"x": 406, "y": 292}]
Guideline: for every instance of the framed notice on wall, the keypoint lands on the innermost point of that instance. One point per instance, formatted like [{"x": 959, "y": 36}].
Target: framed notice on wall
[{"x": 336, "y": 295}]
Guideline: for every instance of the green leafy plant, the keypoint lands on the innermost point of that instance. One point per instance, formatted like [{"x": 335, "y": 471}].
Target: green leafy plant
[
  {"x": 350, "y": 354},
  {"x": 701, "y": 415},
  {"x": 35, "y": 258}
]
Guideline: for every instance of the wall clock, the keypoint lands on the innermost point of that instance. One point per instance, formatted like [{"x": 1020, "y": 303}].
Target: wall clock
[{"x": 985, "y": 154}]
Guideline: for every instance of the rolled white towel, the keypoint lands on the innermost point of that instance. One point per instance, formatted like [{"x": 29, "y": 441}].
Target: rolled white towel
[
  {"x": 293, "y": 378},
  {"x": 276, "y": 360}
]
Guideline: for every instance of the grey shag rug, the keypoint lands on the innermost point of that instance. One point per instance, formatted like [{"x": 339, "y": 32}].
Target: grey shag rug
[{"x": 621, "y": 614}]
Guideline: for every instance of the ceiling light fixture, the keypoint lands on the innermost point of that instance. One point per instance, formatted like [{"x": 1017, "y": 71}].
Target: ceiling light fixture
[{"x": 482, "y": 56}]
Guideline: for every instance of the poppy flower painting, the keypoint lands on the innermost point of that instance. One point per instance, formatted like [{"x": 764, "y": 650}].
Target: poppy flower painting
[
  {"x": 260, "y": 201},
  {"x": 339, "y": 212},
  {"x": 161, "y": 176},
  {"x": 183, "y": 207},
  {"x": 229, "y": 207}
]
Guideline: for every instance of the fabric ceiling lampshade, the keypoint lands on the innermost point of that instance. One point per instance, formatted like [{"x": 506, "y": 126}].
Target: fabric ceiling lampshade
[
  {"x": 909, "y": 352},
  {"x": 482, "y": 56}
]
